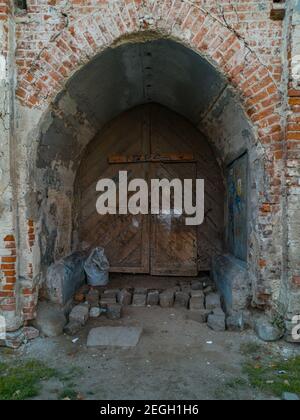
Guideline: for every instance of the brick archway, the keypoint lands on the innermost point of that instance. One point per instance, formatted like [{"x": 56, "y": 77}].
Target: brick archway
[
  {"x": 109, "y": 26},
  {"x": 192, "y": 25}
]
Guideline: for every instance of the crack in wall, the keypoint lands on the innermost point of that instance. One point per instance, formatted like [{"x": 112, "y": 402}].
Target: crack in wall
[{"x": 224, "y": 22}]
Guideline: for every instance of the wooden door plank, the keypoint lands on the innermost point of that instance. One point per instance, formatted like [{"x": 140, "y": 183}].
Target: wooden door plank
[
  {"x": 124, "y": 238},
  {"x": 173, "y": 244},
  {"x": 166, "y": 157}
]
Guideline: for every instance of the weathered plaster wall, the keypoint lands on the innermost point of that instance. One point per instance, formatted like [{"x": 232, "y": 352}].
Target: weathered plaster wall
[
  {"x": 292, "y": 290},
  {"x": 8, "y": 233}
]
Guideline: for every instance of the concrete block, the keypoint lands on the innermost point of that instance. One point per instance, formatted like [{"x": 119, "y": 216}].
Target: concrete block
[
  {"x": 64, "y": 278},
  {"x": 114, "y": 337}
]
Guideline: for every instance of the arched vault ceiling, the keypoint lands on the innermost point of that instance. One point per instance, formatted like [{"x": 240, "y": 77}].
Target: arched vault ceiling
[{"x": 160, "y": 71}]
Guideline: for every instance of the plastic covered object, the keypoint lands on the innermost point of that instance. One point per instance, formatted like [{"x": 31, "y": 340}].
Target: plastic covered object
[{"x": 97, "y": 268}]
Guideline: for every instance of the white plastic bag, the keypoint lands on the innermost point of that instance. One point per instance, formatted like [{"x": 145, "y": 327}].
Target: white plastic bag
[{"x": 97, "y": 268}]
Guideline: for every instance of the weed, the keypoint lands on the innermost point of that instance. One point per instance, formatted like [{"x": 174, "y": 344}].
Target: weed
[{"x": 20, "y": 381}]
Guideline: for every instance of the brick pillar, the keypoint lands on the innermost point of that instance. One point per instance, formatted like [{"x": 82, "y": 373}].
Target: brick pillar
[
  {"x": 293, "y": 163},
  {"x": 8, "y": 247}
]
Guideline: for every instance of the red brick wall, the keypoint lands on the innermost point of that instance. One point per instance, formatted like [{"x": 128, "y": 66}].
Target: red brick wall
[
  {"x": 8, "y": 246},
  {"x": 55, "y": 38},
  {"x": 8, "y": 260},
  {"x": 242, "y": 41},
  {"x": 293, "y": 163}
]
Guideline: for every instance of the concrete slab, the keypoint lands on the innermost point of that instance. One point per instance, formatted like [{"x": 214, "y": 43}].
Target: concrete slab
[{"x": 114, "y": 337}]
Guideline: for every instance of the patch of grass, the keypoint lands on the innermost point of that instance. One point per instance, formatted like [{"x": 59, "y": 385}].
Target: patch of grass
[
  {"x": 236, "y": 383},
  {"x": 231, "y": 388},
  {"x": 68, "y": 393},
  {"x": 20, "y": 381},
  {"x": 67, "y": 378},
  {"x": 275, "y": 376}
]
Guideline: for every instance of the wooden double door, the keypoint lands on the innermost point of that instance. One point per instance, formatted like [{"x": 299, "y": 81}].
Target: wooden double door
[
  {"x": 141, "y": 143},
  {"x": 158, "y": 244}
]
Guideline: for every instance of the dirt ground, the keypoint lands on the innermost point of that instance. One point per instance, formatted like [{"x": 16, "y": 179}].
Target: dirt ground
[{"x": 175, "y": 359}]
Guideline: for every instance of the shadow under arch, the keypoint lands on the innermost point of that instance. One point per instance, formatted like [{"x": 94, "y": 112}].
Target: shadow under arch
[{"x": 134, "y": 73}]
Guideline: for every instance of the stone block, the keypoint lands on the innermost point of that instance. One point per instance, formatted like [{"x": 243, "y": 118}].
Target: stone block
[
  {"x": 124, "y": 297},
  {"x": 181, "y": 300},
  {"x": 114, "y": 311},
  {"x": 80, "y": 314},
  {"x": 216, "y": 321},
  {"x": 197, "y": 293},
  {"x": 110, "y": 293},
  {"x": 72, "y": 328},
  {"x": 166, "y": 298},
  {"x": 236, "y": 322},
  {"x": 140, "y": 291},
  {"x": 50, "y": 319},
  {"x": 105, "y": 301},
  {"x": 139, "y": 300},
  {"x": 197, "y": 303},
  {"x": 153, "y": 298}
]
